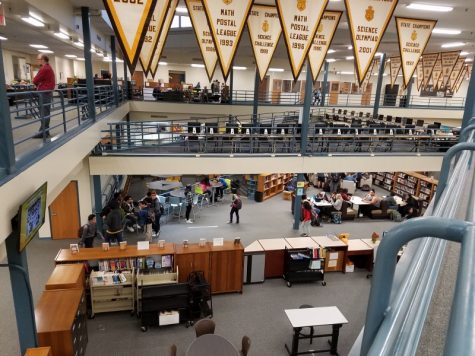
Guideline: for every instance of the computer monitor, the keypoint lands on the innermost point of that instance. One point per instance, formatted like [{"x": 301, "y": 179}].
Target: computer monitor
[
  {"x": 408, "y": 121},
  {"x": 265, "y": 129},
  {"x": 211, "y": 128},
  {"x": 398, "y": 120},
  {"x": 282, "y": 129},
  {"x": 438, "y": 124},
  {"x": 194, "y": 127},
  {"x": 232, "y": 129},
  {"x": 420, "y": 123}
]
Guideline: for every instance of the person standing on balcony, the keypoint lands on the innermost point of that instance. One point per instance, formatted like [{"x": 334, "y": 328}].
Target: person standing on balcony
[{"x": 45, "y": 83}]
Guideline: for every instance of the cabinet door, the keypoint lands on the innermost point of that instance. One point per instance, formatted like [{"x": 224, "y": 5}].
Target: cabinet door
[
  {"x": 201, "y": 263},
  {"x": 184, "y": 263},
  {"x": 226, "y": 272}
]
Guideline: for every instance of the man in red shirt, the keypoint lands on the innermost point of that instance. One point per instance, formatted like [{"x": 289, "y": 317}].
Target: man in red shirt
[{"x": 45, "y": 83}]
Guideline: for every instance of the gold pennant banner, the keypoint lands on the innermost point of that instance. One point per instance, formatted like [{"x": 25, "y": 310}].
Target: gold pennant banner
[
  {"x": 203, "y": 35},
  {"x": 299, "y": 20},
  {"x": 264, "y": 31},
  {"x": 163, "y": 38},
  {"x": 413, "y": 35},
  {"x": 449, "y": 60},
  {"x": 428, "y": 63},
  {"x": 130, "y": 21},
  {"x": 321, "y": 43},
  {"x": 153, "y": 34},
  {"x": 374, "y": 66},
  {"x": 368, "y": 21},
  {"x": 460, "y": 79},
  {"x": 436, "y": 72},
  {"x": 394, "y": 68},
  {"x": 420, "y": 75},
  {"x": 456, "y": 72},
  {"x": 226, "y": 19}
]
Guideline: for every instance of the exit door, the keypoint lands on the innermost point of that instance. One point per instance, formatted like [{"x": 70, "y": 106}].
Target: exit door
[{"x": 64, "y": 213}]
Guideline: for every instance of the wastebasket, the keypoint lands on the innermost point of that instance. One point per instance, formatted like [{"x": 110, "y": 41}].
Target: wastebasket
[{"x": 259, "y": 197}]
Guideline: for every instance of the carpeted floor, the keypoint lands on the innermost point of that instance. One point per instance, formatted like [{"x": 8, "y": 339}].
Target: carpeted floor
[{"x": 258, "y": 312}]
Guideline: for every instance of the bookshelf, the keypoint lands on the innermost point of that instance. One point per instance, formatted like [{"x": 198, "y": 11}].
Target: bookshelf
[
  {"x": 272, "y": 184},
  {"x": 418, "y": 185}
]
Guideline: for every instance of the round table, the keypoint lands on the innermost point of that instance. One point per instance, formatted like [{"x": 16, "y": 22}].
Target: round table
[
  {"x": 179, "y": 193},
  {"x": 211, "y": 345},
  {"x": 164, "y": 185}
]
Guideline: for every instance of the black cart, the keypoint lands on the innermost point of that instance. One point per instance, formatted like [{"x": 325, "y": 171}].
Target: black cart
[{"x": 303, "y": 265}]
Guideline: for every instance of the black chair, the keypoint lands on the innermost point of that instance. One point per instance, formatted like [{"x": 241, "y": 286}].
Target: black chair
[
  {"x": 381, "y": 117},
  {"x": 408, "y": 121},
  {"x": 389, "y": 118},
  {"x": 232, "y": 129},
  {"x": 263, "y": 140},
  {"x": 193, "y": 139},
  {"x": 398, "y": 120},
  {"x": 211, "y": 141},
  {"x": 438, "y": 124},
  {"x": 420, "y": 123}
]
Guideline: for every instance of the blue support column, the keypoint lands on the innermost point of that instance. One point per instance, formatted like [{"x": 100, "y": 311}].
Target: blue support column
[
  {"x": 324, "y": 89},
  {"x": 255, "y": 104},
  {"x": 96, "y": 181},
  {"x": 469, "y": 111},
  {"x": 307, "y": 103},
  {"x": 379, "y": 85},
  {"x": 409, "y": 93},
  {"x": 231, "y": 84},
  {"x": 114, "y": 71},
  {"x": 7, "y": 148},
  {"x": 21, "y": 291},
  {"x": 86, "y": 31},
  {"x": 298, "y": 200},
  {"x": 126, "y": 84}
]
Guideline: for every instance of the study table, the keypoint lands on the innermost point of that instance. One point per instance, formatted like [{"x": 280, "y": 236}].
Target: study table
[
  {"x": 356, "y": 200},
  {"x": 322, "y": 316},
  {"x": 178, "y": 193},
  {"x": 164, "y": 185},
  {"x": 211, "y": 345}
]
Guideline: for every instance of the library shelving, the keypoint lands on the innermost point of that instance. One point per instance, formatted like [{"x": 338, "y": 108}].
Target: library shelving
[
  {"x": 272, "y": 184},
  {"x": 303, "y": 265}
]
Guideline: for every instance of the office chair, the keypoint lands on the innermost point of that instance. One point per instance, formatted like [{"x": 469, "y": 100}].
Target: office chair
[
  {"x": 246, "y": 345},
  {"x": 419, "y": 123},
  {"x": 204, "y": 326},
  {"x": 305, "y": 306}
]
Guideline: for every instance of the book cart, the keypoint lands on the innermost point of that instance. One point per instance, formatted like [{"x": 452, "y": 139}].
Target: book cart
[{"x": 303, "y": 265}]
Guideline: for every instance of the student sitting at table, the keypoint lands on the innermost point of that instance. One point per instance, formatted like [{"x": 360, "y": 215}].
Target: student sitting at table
[
  {"x": 392, "y": 204},
  {"x": 344, "y": 194},
  {"x": 411, "y": 209},
  {"x": 145, "y": 219},
  {"x": 129, "y": 210},
  {"x": 373, "y": 200},
  {"x": 205, "y": 187},
  {"x": 320, "y": 196},
  {"x": 337, "y": 202}
]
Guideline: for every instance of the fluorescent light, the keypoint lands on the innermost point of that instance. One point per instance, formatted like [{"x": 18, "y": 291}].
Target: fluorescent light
[
  {"x": 331, "y": 60},
  {"x": 239, "y": 68},
  {"x": 107, "y": 59},
  {"x": 3, "y": 38},
  {"x": 45, "y": 51},
  {"x": 79, "y": 43},
  {"x": 425, "y": 7},
  {"x": 32, "y": 21},
  {"x": 469, "y": 60},
  {"x": 275, "y": 69},
  {"x": 162, "y": 63},
  {"x": 197, "y": 65},
  {"x": 349, "y": 58},
  {"x": 61, "y": 35},
  {"x": 331, "y": 51},
  {"x": 93, "y": 50},
  {"x": 70, "y": 56},
  {"x": 80, "y": 59},
  {"x": 38, "y": 46},
  {"x": 100, "y": 54},
  {"x": 463, "y": 53},
  {"x": 350, "y": 47},
  {"x": 181, "y": 10},
  {"x": 118, "y": 60},
  {"x": 446, "y": 31},
  {"x": 335, "y": 0},
  {"x": 346, "y": 73},
  {"x": 453, "y": 44}
]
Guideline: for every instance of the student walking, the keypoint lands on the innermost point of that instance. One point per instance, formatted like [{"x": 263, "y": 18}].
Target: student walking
[
  {"x": 189, "y": 203},
  {"x": 236, "y": 205}
]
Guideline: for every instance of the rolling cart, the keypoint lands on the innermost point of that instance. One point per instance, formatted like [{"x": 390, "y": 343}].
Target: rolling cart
[{"x": 303, "y": 265}]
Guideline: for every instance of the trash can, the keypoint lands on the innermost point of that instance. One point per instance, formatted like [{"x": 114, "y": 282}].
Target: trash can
[{"x": 259, "y": 197}]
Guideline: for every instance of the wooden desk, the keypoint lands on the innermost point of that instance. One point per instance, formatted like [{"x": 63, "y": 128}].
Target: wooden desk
[
  {"x": 61, "y": 321},
  {"x": 301, "y": 242},
  {"x": 331, "y": 247},
  {"x": 300, "y": 318},
  {"x": 96, "y": 253},
  {"x": 39, "y": 351},
  {"x": 67, "y": 276},
  {"x": 274, "y": 251},
  {"x": 360, "y": 253}
]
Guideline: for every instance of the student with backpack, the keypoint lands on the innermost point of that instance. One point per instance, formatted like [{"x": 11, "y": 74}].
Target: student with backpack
[
  {"x": 236, "y": 205},
  {"x": 145, "y": 219},
  {"x": 88, "y": 232}
]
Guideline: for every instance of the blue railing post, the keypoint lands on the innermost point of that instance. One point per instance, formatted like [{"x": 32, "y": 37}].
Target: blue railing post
[
  {"x": 469, "y": 111},
  {"x": 409, "y": 92},
  {"x": 325, "y": 82},
  {"x": 114, "y": 71},
  {"x": 379, "y": 86},
  {"x": 231, "y": 84},
  {"x": 96, "y": 181},
  {"x": 86, "y": 30},
  {"x": 7, "y": 147}
]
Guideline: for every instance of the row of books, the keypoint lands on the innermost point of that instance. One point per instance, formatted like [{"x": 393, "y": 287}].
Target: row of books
[{"x": 151, "y": 262}]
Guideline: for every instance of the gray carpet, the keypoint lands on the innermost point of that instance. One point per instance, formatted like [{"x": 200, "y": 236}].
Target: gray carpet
[{"x": 258, "y": 312}]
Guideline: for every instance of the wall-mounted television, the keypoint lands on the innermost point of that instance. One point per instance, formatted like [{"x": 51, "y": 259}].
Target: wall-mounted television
[{"x": 31, "y": 216}]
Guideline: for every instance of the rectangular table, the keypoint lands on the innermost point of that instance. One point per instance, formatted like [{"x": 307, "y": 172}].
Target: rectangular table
[
  {"x": 301, "y": 242},
  {"x": 358, "y": 247},
  {"x": 274, "y": 251},
  {"x": 356, "y": 200},
  {"x": 308, "y": 317}
]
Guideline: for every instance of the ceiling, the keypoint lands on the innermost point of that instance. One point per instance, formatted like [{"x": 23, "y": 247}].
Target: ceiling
[{"x": 181, "y": 46}]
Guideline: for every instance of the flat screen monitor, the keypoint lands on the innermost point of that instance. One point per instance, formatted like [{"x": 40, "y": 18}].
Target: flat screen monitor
[
  {"x": 408, "y": 121},
  {"x": 31, "y": 216}
]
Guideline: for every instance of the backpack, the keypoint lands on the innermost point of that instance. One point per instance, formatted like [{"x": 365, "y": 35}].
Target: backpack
[
  {"x": 394, "y": 215},
  {"x": 336, "y": 217},
  {"x": 238, "y": 204},
  {"x": 365, "y": 188},
  {"x": 150, "y": 216},
  {"x": 81, "y": 230}
]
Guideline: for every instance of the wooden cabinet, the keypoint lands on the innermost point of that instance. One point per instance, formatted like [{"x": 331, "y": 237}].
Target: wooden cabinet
[
  {"x": 39, "y": 351},
  {"x": 227, "y": 266},
  {"x": 67, "y": 276},
  {"x": 61, "y": 321},
  {"x": 190, "y": 259}
]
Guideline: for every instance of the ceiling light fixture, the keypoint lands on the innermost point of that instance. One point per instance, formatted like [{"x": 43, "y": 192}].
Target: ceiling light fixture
[
  {"x": 197, "y": 65},
  {"x": 162, "y": 63},
  {"x": 37, "y": 46},
  {"x": 463, "y": 53},
  {"x": 331, "y": 51},
  {"x": 331, "y": 60},
  {"x": 469, "y": 60},
  {"x": 350, "y": 47},
  {"x": 239, "y": 68},
  {"x": 80, "y": 59},
  {"x": 349, "y": 58},
  {"x": 446, "y": 31},
  {"x": 107, "y": 59},
  {"x": 181, "y": 10},
  {"x": 33, "y": 22},
  {"x": 3, "y": 38},
  {"x": 453, "y": 44},
  {"x": 79, "y": 43},
  {"x": 45, "y": 51},
  {"x": 70, "y": 56},
  {"x": 346, "y": 73},
  {"x": 118, "y": 60},
  {"x": 275, "y": 69},
  {"x": 61, "y": 35},
  {"x": 426, "y": 7}
]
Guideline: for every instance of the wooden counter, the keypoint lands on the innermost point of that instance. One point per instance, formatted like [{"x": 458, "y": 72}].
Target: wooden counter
[
  {"x": 274, "y": 251},
  {"x": 96, "y": 253},
  {"x": 360, "y": 253},
  {"x": 67, "y": 276},
  {"x": 39, "y": 351},
  {"x": 61, "y": 321}
]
